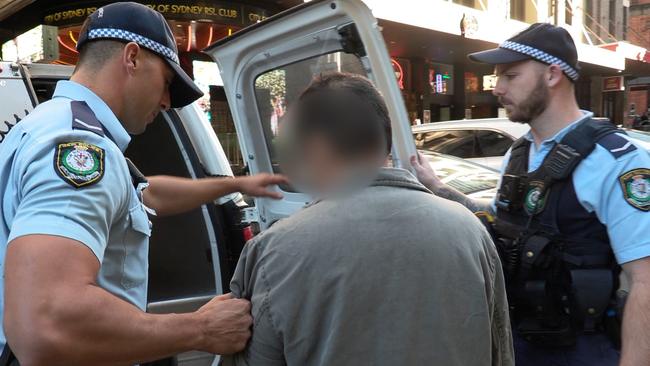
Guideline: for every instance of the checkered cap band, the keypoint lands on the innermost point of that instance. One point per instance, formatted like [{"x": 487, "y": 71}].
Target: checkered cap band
[
  {"x": 541, "y": 56},
  {"x": 133, "y": 37}
]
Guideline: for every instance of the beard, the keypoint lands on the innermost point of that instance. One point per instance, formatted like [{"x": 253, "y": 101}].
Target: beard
[{"x": 531, "y": 107}]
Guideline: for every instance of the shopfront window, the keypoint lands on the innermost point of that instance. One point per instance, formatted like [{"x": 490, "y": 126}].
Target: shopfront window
[{"x": 441, "y": 79}]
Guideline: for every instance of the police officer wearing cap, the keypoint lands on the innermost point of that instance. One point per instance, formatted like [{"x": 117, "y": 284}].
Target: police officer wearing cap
[
  {"x": 572, "y": 208},
  {"x": 74, "y": 231}
]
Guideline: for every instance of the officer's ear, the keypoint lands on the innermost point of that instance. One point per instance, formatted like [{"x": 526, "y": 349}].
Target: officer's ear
[
  {"x": 553, "y": 75},
  {"x": 130, "y": 56}
]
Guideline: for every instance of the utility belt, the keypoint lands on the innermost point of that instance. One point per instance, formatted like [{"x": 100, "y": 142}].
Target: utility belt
[{"x": 555, "y": 296}]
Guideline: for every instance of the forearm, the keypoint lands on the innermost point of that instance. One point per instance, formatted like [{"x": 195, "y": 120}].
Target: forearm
[
  {"x": 636, "y": 322},
  {"x": 93, "y": 327},
  {"x": 173, "y": 195},
  {"x": 447, "y": 192}
]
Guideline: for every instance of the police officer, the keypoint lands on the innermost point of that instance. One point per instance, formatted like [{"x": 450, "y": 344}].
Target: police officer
[
  {"x": 73, "y": 230},
  {"x": 572, "y": 206}
]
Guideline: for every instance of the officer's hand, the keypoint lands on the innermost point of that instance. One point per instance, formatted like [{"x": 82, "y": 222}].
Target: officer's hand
[
  {"x": 226, "y": 323},
  {"x": 425, "y": 173},
  {"x": 258, "y": 185}
]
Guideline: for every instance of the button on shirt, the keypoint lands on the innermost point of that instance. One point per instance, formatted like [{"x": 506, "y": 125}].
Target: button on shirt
[
  {"x": 106, "y": 216},
  {"x": 596, "y": 182}
]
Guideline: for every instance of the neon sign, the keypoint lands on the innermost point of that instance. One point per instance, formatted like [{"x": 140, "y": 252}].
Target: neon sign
[{"x": 399, "y": 72}]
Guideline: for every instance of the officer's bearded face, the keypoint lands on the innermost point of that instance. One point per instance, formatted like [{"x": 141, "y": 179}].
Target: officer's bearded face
[{"x": 522, "y": 91}]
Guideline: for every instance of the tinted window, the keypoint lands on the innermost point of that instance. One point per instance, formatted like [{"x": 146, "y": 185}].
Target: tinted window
[
  {"x": 458, "y": 143},
  {"x": 491, "y": 143}
]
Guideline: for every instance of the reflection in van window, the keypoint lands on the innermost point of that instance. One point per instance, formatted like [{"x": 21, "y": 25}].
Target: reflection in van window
[{"x": 275, "y": 90}]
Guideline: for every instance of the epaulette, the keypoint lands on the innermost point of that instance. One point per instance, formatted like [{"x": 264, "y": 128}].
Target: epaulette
[
  {"x": 616, "y": 144},
  {"x": 83, "y": 118}
]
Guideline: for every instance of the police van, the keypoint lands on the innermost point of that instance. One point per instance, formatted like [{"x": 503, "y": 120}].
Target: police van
[{"x": 193, "y": 255}]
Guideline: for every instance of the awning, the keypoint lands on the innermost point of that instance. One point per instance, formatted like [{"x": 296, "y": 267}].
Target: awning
[
  {"x": 10, "y": 7},
  {"x": 485, "y": 25},
  {"x": 645, "y": 80}
]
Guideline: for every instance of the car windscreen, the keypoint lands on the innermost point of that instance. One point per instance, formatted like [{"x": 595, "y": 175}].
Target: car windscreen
[{"x": 277, "y": 89}]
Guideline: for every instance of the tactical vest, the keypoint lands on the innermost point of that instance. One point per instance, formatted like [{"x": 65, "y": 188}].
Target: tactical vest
[{"x": 560, "y": 270}]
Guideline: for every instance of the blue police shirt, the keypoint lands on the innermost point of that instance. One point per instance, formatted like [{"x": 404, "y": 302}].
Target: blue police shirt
[
  {"x": 106, "y": 216},
  {"x": 598, "y": 187}
]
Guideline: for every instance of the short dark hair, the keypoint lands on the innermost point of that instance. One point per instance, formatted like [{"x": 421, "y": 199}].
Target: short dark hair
[
  {"x": 94, "y": 54},
  {"x": 348, "y": 111}
]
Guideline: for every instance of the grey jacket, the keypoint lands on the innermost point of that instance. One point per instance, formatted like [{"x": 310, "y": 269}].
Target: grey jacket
[{"x": 391, "y": 275}]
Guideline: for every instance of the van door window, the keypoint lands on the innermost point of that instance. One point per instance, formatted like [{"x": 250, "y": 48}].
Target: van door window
[
  {"x": 16, "y": 104},
  {"x": 276, "y": 90}
]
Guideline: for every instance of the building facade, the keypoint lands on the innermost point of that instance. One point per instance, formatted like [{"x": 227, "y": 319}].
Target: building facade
[
  {"x": 443, "y": 84},
  {"x": 639, "y": 34},
  {"x": 427, "y": 40}
]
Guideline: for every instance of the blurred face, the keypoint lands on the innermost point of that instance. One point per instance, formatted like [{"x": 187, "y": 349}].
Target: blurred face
[
  {"x": 522, "y": 90},
  {"x": 147, "y": 91},
  {"x": 315, "y": 167}
]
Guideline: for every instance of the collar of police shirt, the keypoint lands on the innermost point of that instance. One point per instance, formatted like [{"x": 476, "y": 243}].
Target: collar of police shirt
[
  {"x": 561, "y": 133},
  {"x": 76, "y": 91}
]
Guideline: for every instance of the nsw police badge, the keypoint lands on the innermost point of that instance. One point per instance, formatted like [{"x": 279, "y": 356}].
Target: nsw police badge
[
  {"x": 78, "y": 163},
  {"x": 636, "y": 188},
  {"x": 535, "y": 198}
]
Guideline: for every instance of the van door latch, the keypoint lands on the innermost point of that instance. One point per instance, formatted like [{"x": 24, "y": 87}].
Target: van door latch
[{"x": 250, "y": 215}]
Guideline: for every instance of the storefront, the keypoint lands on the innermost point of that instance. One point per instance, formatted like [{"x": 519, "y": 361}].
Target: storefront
[
  {"x": 445, "y": 85},
  {"x": 438, "y": 82}
]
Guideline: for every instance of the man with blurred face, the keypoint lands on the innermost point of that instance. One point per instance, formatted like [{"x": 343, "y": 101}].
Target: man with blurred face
[
  {"x": 360, "y": 276},
  {"x": 74, "y": 231},
  {"x": 572, "y": 208}
]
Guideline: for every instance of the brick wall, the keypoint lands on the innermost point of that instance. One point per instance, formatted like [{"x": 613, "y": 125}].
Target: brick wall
[
  {"x": 639, "y": 98},
  {"x": 639, "y": 23}
]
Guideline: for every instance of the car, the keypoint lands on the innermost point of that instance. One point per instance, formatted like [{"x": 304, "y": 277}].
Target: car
[
  {"x": 642, "y": 138},
  {"x": 470, "y": 178},
  {"x": 484, "y": 141},
  {"x": 192, "y": 256}
]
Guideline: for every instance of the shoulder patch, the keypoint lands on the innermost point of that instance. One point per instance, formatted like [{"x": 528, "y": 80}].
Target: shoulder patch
[
  {"x": 617, "y": 145},
  {"x": 78, "y": 163},
  {"x": 636, "y": 188}
]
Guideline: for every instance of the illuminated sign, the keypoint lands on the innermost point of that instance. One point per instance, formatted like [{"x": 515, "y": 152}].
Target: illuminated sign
[
  {"x": 489, "y": 82},
  {"x": 440, "y": 82},
  {"x": 614, "y": 83},
  {"x": 439, "y": 85},
  {"x": 399, "y": 72},
  {"x": 211, "y": 11}
]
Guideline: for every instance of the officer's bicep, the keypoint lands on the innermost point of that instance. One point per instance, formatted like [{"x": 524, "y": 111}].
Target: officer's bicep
[{"x": 76, "y": 199}]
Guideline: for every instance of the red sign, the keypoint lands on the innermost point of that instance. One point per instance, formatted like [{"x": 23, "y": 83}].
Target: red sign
[
  {"x": 614, "y": 83},
  {"x": 399, "y": 72}
]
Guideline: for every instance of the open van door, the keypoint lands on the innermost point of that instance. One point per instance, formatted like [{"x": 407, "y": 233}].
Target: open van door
[{"x": 266, "y": 66}]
